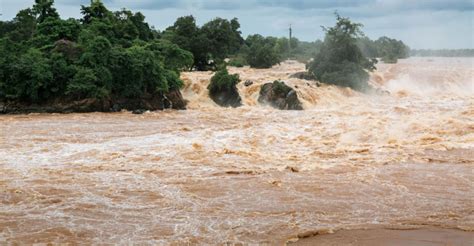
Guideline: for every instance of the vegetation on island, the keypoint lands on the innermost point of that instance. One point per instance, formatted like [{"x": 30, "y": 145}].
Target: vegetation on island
[
  {"x": 223, "y": 88},
  {"x": 115, "y": 56},
  {"x": 340, "y": 60},
  {"x": 103, "y": 55}
]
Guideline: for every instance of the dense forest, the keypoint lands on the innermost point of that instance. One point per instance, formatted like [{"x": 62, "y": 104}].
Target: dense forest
[{"x": 113, "y": 60}]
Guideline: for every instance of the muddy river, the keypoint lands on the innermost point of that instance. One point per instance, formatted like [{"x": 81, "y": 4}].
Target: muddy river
[{"x": 252, "y": 175}]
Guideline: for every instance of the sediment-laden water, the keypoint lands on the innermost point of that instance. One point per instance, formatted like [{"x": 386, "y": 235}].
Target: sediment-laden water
[{"x": 249, "y": 175}]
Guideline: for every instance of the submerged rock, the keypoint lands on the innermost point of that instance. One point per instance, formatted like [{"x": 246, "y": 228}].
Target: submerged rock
[
  {"x": 305, "y": 76},
  {"x": 248, "y": 83},
  {"x": 382, "y": 92},
  {"x": 227, "y": 98},
  {"x": 280, "y": 96},
  {"x": 302, "y": 75},
  {"x": 3, "y": 108},
  {"x": 174, "y": 100},
  {"x": 138, "y": 111}
]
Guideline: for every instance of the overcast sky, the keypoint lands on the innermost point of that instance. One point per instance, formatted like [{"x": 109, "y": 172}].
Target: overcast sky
[{"x": 419, "y": 23}]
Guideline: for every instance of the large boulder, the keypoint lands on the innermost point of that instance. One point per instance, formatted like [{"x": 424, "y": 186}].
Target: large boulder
[
  {"x": 228, "y": 97},
  {"x": 174, "y": 99},
  {"x": 279, "y": 95}
]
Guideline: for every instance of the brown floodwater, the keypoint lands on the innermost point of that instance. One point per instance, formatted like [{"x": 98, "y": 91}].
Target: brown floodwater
[{"x": 252, "y": 175}]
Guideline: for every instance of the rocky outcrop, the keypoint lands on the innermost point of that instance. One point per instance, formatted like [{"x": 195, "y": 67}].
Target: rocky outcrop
[
  {"x": 279, "y": 95},
  {"x": 227, "y": 97},
  {"x": 151, "y": 102},
  {"x": 174, "y": 100},
  {"x": 248, "y": 83}
]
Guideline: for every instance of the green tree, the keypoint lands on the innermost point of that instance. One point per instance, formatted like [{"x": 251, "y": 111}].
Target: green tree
[
  {"x": 173, "y": 57},
  {"x": 30, "y": 77},
  {"x": 224, "y": 37},
  {"x": 24, "y": 26},
  {"x": 51, "y": 30},
  {"x": 96, "y": 10},
  {"x": 390, "y": 50},
  {"x": 210, "y": 44},
  {"x": 187, "y": 35},
  {"x": 86, "y": 84},
  {"x": 340, "y": 61},
  {"x": 262, "y": 52},
  {"x": 44, "y": 9}
]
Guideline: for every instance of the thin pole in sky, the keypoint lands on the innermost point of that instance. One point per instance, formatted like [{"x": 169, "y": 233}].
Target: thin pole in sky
[{"x": 289, "y": 43}]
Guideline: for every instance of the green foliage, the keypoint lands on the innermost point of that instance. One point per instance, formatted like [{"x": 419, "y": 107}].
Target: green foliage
[
  {"x": 186, "y": 34},
  {"x": 390, "y": 50},
  {"x": 96, "y": 10},
  {"x": 262, "y": 52},
  {"x": 173, "y": 57},
  {"x": 280, "y": 88},
  {"x": 237, "y": 61},
  {"x": 24, "y": 26},
  {"x": 85, "y": 84},
  {"x": 105, "y": 55},
  {"x": 28, "y": 77},
  {"x": 340, "y": 60},
  {"x": 223, "y": 81},
  {"x": 44, "y": 9},
  {"x": 224, "y": 37},
  {"x": 209, "y": 44}
]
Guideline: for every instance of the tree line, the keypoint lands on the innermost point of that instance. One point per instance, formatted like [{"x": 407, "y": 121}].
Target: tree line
[
  {"x": 443, "y": 52},
  {"x": 116, "y": 54}
]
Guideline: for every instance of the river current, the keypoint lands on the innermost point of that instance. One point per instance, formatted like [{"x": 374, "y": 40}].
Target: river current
[{"x": 253, "y": 174}]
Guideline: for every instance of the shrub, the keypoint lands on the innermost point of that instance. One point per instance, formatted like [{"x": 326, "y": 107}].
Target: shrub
[{"x": 223, "y": 81}]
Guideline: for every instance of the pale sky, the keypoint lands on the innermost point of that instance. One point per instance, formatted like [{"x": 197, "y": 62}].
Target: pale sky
[{"x": 419, "y": 23}]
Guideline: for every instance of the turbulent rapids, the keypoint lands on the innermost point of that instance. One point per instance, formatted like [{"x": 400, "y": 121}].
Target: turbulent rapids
[{"x": 253, "y": 174}]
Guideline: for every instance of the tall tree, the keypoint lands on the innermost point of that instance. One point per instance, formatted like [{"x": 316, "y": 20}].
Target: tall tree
[
  {"x": 96, "y": 9},
  {"x": 44, "y": 9},
  {"x": 340, "y": 60}
]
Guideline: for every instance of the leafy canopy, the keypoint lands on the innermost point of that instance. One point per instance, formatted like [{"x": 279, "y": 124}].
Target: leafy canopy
[{"x": 105, "y": 54}]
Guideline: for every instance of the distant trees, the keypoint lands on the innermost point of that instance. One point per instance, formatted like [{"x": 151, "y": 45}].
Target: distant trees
[
  {"x": 444, "y": 52},
  {"x": 209, "y": 44},
  {"x": 261, "y": 52},
  {"x": 388, "y": 49},
  {"x": 340, "y": 60}
]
